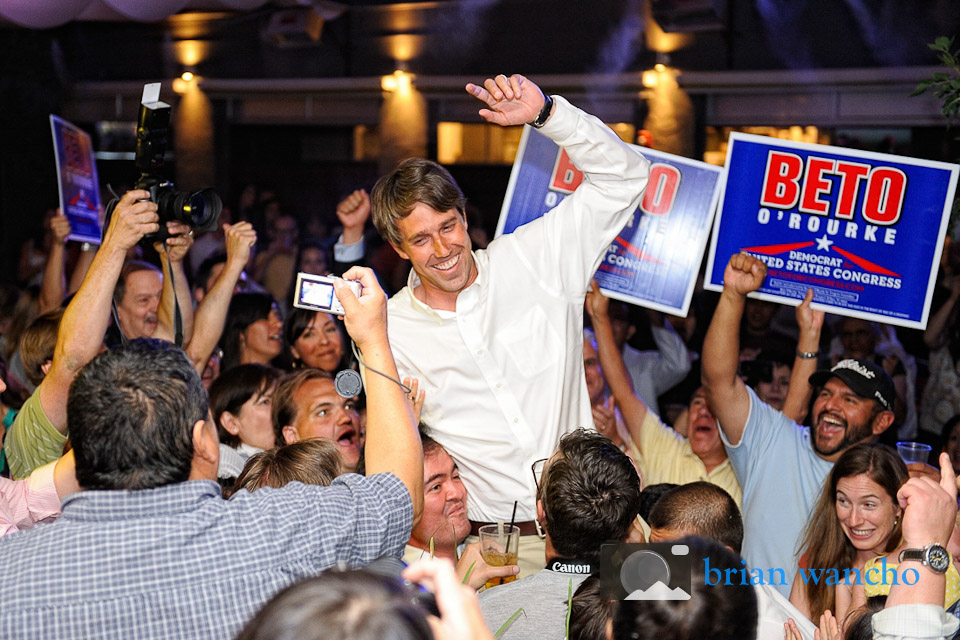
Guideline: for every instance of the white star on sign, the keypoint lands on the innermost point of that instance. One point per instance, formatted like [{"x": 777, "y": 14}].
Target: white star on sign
[{"x": 823, "y": 244}]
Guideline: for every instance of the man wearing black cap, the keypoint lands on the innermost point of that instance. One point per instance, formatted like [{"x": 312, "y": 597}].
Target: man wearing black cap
[{"x": 781, "y": 465}]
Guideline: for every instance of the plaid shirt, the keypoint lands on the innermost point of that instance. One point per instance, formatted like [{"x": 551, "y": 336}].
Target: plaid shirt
[{"x": 181, "y": 562}]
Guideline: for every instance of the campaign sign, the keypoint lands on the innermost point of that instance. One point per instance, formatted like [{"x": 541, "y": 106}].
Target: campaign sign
[
  {"x": 77, "y": 178},
  {"x": 863, "y": 230},
  {"x": 655, "y": 259}
]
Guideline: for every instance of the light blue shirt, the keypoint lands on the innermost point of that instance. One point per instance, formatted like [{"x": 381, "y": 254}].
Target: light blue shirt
[{"x": 781, "y": 477}]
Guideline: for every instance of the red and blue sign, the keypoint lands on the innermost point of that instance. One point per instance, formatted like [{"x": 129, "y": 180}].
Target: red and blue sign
[
  {"x": 864, "y": 230},
  {"x": 655, "y": 259},
  {"x": 77, "y": 178}
]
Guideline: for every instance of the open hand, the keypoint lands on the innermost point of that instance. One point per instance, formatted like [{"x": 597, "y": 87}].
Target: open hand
[{"x": 511, "y": 101}]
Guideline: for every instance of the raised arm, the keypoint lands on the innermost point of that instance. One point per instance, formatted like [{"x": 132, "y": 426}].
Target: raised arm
[
  {"x": 353, "y": 213},
  {"x": 673, "y": 360},
  {"x": 53, "y": 286},
  {"x": 929, "y": 516},
  {"x": 614, "y": 370},
  {"x": 936, "y": 335},
  {"x": 88, "y": 314},
  {"x": 212, "y": 312},
  {"x": 175, "y": 283},
  {"x": 800, "y": 391},
  {"x": 87, "y": 252},
  {"x": 726, "y": 393},
  {"x": 393, "y": 443}
]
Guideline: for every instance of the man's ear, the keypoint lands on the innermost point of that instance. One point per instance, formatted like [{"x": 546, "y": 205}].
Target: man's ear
[
  {"x": 400, "y": 251},
  {"x": 635, "y": 533},
  {"x": 45, "y": 367},
  {"x": 290, "y": 434},
  {"x": 230, "y": 423},
  {"x": 631, "y": 330},
  {"x": 882, "y": 422},
  {"x": 541, "y": 514},
  {"x": 205, "y": 443}
]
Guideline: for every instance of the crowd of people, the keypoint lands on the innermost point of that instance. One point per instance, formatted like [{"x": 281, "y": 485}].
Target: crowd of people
[{"x": 180, "y": 457}]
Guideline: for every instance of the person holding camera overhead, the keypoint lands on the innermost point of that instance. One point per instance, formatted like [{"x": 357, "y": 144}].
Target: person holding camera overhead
[{"x": 40, "y": 429}]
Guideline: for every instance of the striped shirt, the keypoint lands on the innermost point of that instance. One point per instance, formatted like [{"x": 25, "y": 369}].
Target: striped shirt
[{"x": 180, "y": 562}]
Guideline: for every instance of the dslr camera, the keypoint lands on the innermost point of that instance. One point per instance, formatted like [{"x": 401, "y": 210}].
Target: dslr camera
[{"x": 199, "y": 209}]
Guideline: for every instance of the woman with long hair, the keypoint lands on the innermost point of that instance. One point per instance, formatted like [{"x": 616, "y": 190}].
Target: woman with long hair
[
  {"x": 315, "y": 339},
  {"x": 854, "y": 531},
  {"x": 856, "y": 518},
  {"x": 253, "y": 332}
]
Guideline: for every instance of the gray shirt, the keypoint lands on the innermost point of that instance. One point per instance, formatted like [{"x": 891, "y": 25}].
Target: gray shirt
[{"x": 543, "y": 598}]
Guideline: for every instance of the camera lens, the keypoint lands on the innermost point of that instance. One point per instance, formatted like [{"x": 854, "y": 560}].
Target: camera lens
[
  {"x": 199, "y": 209},
  {"x": 202, "y": 209}
]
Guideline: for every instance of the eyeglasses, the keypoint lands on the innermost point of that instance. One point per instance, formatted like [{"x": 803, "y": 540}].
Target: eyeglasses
[{"x": 537, "y": 469}]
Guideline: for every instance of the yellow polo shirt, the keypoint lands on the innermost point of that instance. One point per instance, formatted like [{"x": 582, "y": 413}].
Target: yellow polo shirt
[{"x": 668, "y": 457}]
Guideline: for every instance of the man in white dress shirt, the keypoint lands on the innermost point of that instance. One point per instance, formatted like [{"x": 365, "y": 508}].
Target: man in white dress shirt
[{"x": 495, "y": 336}]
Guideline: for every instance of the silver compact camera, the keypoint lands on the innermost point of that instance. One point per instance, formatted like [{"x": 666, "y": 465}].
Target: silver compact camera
[{"x": 316, "y": 293}]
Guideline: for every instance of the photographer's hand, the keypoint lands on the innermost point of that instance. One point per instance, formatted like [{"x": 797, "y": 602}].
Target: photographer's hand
[
  {"x": 366, "y": 316},
  {"x": 179, "y": 242},
  {"x": 87, "y": 316},
  {"x": 174, "y": 277},
  {"x": 393, "y": 443},
  {"x": 133, "y": 217},
  {"x": 460, "y": 615}
]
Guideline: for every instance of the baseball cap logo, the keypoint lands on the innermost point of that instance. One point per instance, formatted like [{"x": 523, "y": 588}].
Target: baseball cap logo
[{"x": 853, "y": 365}]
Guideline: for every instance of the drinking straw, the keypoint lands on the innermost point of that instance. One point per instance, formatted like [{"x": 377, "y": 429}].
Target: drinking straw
[{"x": 514, "y": 516}]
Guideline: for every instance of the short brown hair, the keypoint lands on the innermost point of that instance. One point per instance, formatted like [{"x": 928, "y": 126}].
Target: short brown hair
[
  {"x": 414, "y": 180},
  {"x": 38, "y": 343},
  {"x": 130, "y": 266},
  {"x": 312, "y": 461},
  {"x": 284, "y": 410}
]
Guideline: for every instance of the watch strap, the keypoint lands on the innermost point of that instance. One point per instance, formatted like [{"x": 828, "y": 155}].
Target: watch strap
[
  {"x": 544, "y": 113},
  {"x": 934, "y": 556}
]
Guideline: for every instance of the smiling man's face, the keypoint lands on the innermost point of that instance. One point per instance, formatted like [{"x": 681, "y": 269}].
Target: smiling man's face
[
  {"x": 438, "y": 246},
  {"x": 841, "y": 418},
  {"x": 444, "y": 503}
]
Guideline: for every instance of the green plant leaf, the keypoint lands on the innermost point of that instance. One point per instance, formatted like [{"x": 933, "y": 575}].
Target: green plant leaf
[
  {"x": 569, "y": 605},
  {"x": 506, "y": 625},
  {"x": 469, "y": 571},
  {"x": 431, "y": 547}
]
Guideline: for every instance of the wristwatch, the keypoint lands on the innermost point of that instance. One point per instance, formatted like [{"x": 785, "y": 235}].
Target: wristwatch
[
  {"x": 932, "y": 555},
  {"x": 544, "y": 113}
]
